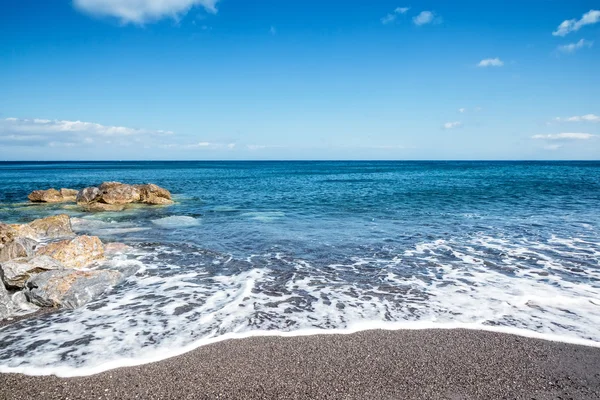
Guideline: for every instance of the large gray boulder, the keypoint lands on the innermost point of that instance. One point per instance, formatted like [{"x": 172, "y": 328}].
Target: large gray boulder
[
  {"x": 18, "y": 248},
  {"x": 5, "y": 306},
  {"x": 15, "y": 304},
  {"x": 15, "y": 273},
  {"x": 88, "y": 195},
  {"x": 69, "y": 288}
]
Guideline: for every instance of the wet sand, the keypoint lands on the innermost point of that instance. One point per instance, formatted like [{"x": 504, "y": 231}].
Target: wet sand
[{"x": 429, "y": 364}]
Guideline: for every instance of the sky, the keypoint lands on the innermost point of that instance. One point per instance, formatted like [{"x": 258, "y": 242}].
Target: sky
[{"x": 299, "y": 79}]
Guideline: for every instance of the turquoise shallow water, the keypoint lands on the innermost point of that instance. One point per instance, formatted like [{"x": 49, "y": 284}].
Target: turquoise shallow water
[{"x": 294, "y": 246}]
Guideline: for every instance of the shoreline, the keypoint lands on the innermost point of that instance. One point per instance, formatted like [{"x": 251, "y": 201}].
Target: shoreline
[
  {"x": 412, "y": 364},
  {"x": 167, "y": 353}
]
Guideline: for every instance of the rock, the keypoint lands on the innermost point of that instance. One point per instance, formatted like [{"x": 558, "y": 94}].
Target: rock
[
  {"x": 20, "y": 305},
  {"x": 118, "y": 193},
  {"x": 70, "y": 289},
  {"x": 16, "y": 272},
  {"x": 46, "y": 196},
  {"x": 88, "y": 195},
  {"x": 16, "y": 304},
  {"x": 53, "y": 227},
  {"x": 69, "y": 194},
  {"x": 24, "y": 230},
  {"x": 75, "y": 253},
  {"x": 159, "y": 201},
  {"x": 5, "y": 303},
  {"x": 109, "y": 185},
  {"x": 18, "y": 248},
  {"x": 154, "y": 194},
  {"x": 99, "y": 207},
  {"x": 7, "y": 234}
]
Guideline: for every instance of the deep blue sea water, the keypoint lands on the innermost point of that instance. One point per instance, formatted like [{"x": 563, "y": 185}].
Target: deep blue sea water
[{"x": 302, "y": 246}]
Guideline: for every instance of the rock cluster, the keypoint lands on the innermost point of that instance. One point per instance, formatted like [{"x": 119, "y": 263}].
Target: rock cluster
[
  {"x": 44, "y": 264},
  {"x": 53, "y": 195},
  {"x": 109, "y": 196}
]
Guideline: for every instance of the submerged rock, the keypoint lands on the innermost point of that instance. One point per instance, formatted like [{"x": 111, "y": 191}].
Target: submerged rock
[
  {"x": 176, "y": 222},
  {"x": 75, "y": 253},
  {"x": 55, "y": 226},
  {"x": 99, "y": 207},
  {"x": 16, "y": 272},
  {"x": 18, "y": 248},
  {"x": 68, "y": 288}
]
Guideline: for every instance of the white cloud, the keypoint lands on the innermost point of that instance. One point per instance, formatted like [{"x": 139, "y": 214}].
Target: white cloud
[
  {"x": 142, "y": 11},
  {"x": 580, "y": 118},
  {"x": 52, "y": 132},
  {"x": 452, "y": 125},
  {"x": 200, "y": 146},
  {"x": 391, "y": 17},
  {"x": 254, "y": 147},
  {"x": 491, "y": 62},
  {"x": 553, "y": 146},
  {"x": 462, "y": 110},
  {"x": 573, "y": 25},
  {"x": 424, "y": 17},
  {"x": 572, "y": 47},
  {"x": 564, "y": 136}
]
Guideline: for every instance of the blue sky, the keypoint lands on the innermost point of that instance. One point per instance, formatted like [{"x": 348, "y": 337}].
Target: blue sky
[{"x": 266, "y": 79}]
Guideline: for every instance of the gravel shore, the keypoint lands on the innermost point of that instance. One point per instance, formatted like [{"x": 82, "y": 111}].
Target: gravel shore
[{"x": 429, "y": 364}]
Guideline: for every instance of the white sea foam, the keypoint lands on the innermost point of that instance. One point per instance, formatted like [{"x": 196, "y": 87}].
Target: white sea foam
[
  {"x": 104, "y": 227},
  {"x": 176, "y": 221},
  {"x": 264, "y": 216},
  {"x": 167, "y": 309}
]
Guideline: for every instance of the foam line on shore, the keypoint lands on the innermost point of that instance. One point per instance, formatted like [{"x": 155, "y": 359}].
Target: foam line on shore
[{"x": 69, "y": 372}]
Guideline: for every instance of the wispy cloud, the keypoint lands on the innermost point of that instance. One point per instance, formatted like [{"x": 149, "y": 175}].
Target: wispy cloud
[
  {"x": 254, "y": 147},
  {"x": 452, "y": 125},
  {"x": 491, "y": 62},
  {"x": 142, "y": 11},
  {"x": 564, "y": 136},
  {"x": 426, "y": 17},
  {"x": 391, "y": 17},
  {"x": 200, "y": 146},
  {"x": 273, "y": 30},
  {"x": 45, "y": 132},
  {"x": 573, "y": 25},
  {"x": 572, "y": 47},
  {"x": 462, "y": 110},
  {"x": 579, "y": 118}
]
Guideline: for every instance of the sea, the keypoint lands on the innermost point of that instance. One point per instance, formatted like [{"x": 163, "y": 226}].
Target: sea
[{"x": 318, "y": 247}]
